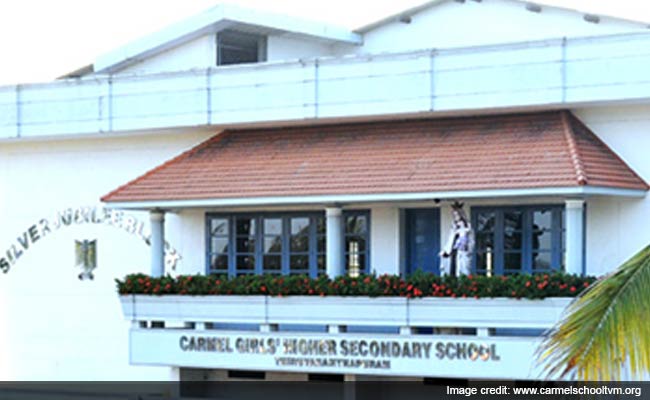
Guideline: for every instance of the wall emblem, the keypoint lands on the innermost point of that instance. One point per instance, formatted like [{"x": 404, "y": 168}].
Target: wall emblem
[{"x": 86, "y": 256}]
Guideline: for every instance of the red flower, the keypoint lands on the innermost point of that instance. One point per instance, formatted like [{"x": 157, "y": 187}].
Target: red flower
[
  {"x": 409, "y": 288},
  {"x": 263, "y": 288},
  {"x": 586, "y": 284},
  {"x": 168, "y": 286},
  {"x": 528, "y": 283},
  {"x": 573, "y": 289}
]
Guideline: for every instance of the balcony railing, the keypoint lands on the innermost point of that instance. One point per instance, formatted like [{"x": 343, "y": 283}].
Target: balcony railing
[
  {"x": 550, "y": 73},
  {"x": 433, "y": 337}
]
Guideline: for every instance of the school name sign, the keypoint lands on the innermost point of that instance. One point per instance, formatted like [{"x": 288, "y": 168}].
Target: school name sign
[
  {"x": 372, "y": 354},
  {"x": 26, "y": 240}
]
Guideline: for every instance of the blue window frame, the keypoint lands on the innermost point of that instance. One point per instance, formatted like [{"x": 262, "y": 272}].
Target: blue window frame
[
  {"x": 282, "y": 243},
  {"x": 518, "y": 239}
]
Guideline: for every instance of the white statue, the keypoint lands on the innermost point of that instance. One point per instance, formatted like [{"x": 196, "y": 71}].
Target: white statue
[{"x": 460, "y": 245}]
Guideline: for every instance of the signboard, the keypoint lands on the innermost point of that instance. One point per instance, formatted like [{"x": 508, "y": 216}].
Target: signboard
[{"x": 367, "y": 354}]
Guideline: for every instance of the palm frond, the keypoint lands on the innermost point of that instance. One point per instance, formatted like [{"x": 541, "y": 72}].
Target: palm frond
[{"x": 605, "y": 333}]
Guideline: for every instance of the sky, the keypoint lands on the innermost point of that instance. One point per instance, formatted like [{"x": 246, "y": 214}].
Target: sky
[{"x": 43, "y": 39}]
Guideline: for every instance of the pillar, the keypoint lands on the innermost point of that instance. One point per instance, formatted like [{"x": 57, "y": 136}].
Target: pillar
[
  {"x": 157, "y": 243},
  {"x": 334, "y": 245},
  {"x": 575, "y": 236}
]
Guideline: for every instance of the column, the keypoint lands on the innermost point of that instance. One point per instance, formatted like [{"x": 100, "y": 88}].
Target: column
[
  {"x": 157, "y": 243},
  {"x": 334, "y": 246},
  {"x": 575, "y": 236}
]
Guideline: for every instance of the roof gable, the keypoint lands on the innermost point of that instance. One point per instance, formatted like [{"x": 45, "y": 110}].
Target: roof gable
[
  {"x": 405, "y": 15},
  {"x": 216, "y": 19}
]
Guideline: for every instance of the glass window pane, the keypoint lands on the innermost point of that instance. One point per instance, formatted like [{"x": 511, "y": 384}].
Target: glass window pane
[
  {"x": 322, "y": 243},
  {"x": 542, "y": 240},
  {"x": 299, "y": 262},
  {"x": 484, "y": 241},
  {"x": 485, "y": 221},
  {"x": 356, "y": 224},
  {"x": 245, "y": 226},
  {"x": 512, "y": 220},
  {"x": 300, "y": 244},
  {"x": 219, "y": 226},
  {"x": 245, "y": 263},
  {"x": 512, "y": 261},
  {"x": 320, "y": 263},
  {"x": 246, "y": 245},
  {"x": 272, "y": 263},
  {"x": 219, "y": 245},
  {"x": 320, "y": 225},
  {"x": 485, "y": 262},
  {"x": 273, "y": 244},
  {"x": 512, "y": 240},
  {"x": 272, "y": 226},
  {"x": 237, "y": 47},
  {"x": 542, "y": 219},
  {"x": 542, "y": 261},
  {"x": 299, "y": 226},
  {"x": 219, "y": 262},
  {"x": 355, "y": 244}
]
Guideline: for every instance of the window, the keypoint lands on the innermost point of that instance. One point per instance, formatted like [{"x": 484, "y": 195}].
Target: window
[
  {"x": 356, "y": 242},
  {"x": 235, "y": 47},
  {"x": 513, "y": 240},
  {"x": 289, "y": 243}
]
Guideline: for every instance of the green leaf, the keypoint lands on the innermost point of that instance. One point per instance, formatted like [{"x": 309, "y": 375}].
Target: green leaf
[{"x": 605, "y": 330}]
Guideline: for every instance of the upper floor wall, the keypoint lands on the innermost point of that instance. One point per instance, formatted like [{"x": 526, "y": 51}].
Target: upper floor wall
[
  {"x": 438, "y": 24},
  {"x": 480, "y": 22}
]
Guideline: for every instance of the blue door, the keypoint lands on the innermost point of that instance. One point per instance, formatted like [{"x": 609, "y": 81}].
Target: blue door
[{"x": 423, "y": 240}]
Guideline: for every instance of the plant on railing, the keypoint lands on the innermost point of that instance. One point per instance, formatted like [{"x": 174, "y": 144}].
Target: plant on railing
[{"x": 417, "y": 285}]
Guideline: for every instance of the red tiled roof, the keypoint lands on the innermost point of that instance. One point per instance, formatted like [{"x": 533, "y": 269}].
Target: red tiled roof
[{"x": 540, "y": 150}]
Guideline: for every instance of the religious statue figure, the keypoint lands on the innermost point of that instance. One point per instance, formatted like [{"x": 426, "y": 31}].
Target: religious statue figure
[{"x": 457, "y": 253}]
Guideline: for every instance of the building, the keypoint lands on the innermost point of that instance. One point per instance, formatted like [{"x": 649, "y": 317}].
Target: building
[{"x": 251, "y": 143}]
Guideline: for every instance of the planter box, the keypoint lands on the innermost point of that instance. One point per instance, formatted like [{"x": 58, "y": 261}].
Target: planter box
[
  {"x": 336, "y": 310},
  {"x": 236, "y": 309},
  {"x": 486, "y": 313}
]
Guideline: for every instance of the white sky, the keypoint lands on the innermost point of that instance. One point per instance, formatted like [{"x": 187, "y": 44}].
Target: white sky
[{"x": 41, "y": 39}]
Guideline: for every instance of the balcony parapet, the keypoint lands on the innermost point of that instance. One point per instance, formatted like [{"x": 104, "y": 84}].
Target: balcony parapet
[
  {"x": 438, "y": 337},
  {"x": 353, "y": 310},
  {"x": 566, "y": 72}
]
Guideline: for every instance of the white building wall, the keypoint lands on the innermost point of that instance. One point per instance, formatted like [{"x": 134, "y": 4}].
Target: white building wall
[
  {"x": 283, "y": 48},
  {"x": 472, "y": 23},
  {"x": 617, "y": 228},
  {"x": 384, "y": 240},
  {"x": 197, "y": 53},
  {"x": 55, "y": 326}
]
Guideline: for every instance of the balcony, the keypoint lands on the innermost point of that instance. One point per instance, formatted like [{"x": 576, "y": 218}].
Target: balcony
[
  {"x": 552, "y": 73},
  {"x": 435, "y": 337}
]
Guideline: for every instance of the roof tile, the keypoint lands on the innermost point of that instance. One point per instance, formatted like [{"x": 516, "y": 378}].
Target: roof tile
[{"x": 547, "y": 149}]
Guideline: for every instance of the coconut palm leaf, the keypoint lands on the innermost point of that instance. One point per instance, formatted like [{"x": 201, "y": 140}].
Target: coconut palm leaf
[{"x": 605, "y": 333}]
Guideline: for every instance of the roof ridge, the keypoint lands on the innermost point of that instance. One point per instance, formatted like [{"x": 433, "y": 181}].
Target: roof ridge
[
  {"x": 162, "y": 166},
  {"x": 569, "y": 135}
]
